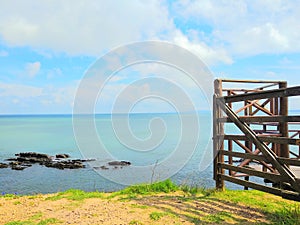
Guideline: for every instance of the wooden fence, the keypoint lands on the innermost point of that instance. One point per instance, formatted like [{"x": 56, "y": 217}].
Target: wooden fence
[{"x": 256, "y": 141}]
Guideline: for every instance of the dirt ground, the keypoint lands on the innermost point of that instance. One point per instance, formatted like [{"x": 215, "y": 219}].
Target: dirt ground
[{"x": 172, "y": 208}]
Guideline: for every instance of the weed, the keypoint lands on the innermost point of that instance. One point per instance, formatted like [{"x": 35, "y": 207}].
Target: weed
[
  {"x": 135, "y": 222},
  {"x": 157, "y": 215},
  {"x": 75, "y": 195},
  {"x": 288, "y": 215},
  {"x": 195, "y": 190},
  {"x": 36, "y": 216},
  {"x": 218, "y": 217},
  {"x": 48, "y": 221},
  {"x": 166, "y": 186},
  {"x": 139, "y": 206},
  {"x": 20, "y": 223},
  {"x": 17, "y": 203}
]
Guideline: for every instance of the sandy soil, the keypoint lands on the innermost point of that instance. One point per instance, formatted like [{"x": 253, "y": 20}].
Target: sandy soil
[{"x": 158, "y": 209}]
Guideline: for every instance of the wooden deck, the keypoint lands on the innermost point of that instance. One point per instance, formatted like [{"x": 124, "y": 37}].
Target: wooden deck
[{"x": 260, "y": 112}]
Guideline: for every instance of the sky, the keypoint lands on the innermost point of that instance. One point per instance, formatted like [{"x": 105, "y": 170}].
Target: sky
[{"x": 46, "y": 47}]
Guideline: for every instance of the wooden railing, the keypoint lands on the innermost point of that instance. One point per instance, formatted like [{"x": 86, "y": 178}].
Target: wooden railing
[{"x": 252, "y": 137}]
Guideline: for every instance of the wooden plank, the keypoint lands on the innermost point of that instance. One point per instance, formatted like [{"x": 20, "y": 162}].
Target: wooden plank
[
  {"x": 284, "y": 92},
  {"x": 262, "y": 119},
  {"x": 278, "y": 140},
  {"x": 248, "y": 156},
  {"x": 244, "y": 155},
  {"x": 218, "y": 132},
  {"x": 285, "y": 194},
  {"x": 283, "y": 126},
  {"x": 252, "y": 172},
  {"x": 291, "y": 162},
  {"x": 250, "y": 81},
  {"x": 253, "y": 185},
  {"x": 281, "y": 140},
  {"x": 262, "y": 108}
]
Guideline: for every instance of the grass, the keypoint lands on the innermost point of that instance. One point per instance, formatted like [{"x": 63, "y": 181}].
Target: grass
[
  {"x": 166, "y": 186},
  {"x": 157, "y": 215},
  {"x": 42, "y": 222},
  {"x": 277, "y": 210},
  {"x": 218, "y": 217},
  {"x": 280, "y": 211},
  {"x": 76, "y": 195},
  {"x": 135, "y": 222}
]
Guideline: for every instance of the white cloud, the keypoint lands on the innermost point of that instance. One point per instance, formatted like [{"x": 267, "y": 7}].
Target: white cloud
[
  {"x": 93, "y": 27},
  {"x": 32, "y": 69},
  {"x": 81, "y": 27},
  {"x": 247, "y": 27}
]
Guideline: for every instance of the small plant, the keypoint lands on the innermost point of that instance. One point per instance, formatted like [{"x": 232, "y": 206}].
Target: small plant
[
  {"x": 194, "y": 190},
  {"x": 157, "y": 215},
  {"x": 135, "y": 222},
  {"x": 76, "y": 195},
  {"x": 20, "y": 223},
  {"x": 166, "y": 186},
  {"x": 218, "y": 217},
  {"x": 17, "y": 203},
  {"x": 288, "y": 216},
  {"x": 48, "y": 221}
]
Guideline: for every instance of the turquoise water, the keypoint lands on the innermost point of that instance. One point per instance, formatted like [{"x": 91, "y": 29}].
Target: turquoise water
[{"x": 52, "y": 134}]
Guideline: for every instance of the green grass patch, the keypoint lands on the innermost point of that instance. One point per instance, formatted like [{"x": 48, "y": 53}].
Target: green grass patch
[
  {"x": 166, "y": 186},
  {"x": 76, "y": 195},
  {"x": 32, "y": 222},
  {"x": 277, "y": 210},
  {"x": 20, "y": 223},
  {"x": 135, "y": 222},
  {"x": 219, "y": 217},
  {"x": 157, "y": 215},
  {"x": 139, "y": 206},
  {"x": 10, "y": 196},
  {"x": 49, "y": 221},
  {"x": 36, "y": 216},
  {"x": 17, "y": 203},
  {"x": 288, "y": 215},
  {"x": 196, "y": 190}
]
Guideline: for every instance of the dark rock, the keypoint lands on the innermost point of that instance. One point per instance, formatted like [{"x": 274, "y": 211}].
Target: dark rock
[
  {"x": 3, "y": 165},
  {"x": 62, "y": 156},
  {"x": 15, "y": 163},
  {"x": 17, "y": 167},
  {"x": 33, "y": 155},
  {"x": 11, "y": 159},
  {"x": 26, "y": 159},
  {"x": 65, "y": 165},
  {"x": 103, "y": 167},
  {"x": 119, "y": 163}
]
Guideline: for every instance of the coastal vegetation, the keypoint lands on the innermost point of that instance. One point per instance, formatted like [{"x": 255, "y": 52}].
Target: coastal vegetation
[{"x": 157, "y": 203}]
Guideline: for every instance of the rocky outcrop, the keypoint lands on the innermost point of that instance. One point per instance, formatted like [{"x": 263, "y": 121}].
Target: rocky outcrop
[
  {"x": 114, "y": 165},
  {"x": 62, "y": 156},
  {"x": 3, "y": 165},
  {"x": 70, "y": 164},
  {"x": 119, "y": 163},
  {"x": 26, "y": 159}
]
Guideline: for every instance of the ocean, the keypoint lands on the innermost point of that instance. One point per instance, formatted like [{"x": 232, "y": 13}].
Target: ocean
[{"x": 169, "y": 152}]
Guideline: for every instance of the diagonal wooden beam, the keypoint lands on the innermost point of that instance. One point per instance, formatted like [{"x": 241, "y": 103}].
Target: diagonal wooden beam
[
  {"x": 283, "y": 169},
  {"x": 256, "y": 152}
]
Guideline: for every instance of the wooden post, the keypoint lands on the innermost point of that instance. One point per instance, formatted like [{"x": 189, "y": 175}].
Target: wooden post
[
  {"x": 283, "y": 126},
  {"x": 218, "y": 137}
]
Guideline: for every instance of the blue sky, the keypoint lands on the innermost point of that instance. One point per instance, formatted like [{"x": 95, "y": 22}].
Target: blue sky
[{"x": 46, "y": 46}]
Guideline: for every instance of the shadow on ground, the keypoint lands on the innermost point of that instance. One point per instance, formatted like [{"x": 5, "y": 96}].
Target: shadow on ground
[{"x": 206, "y": 210}]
